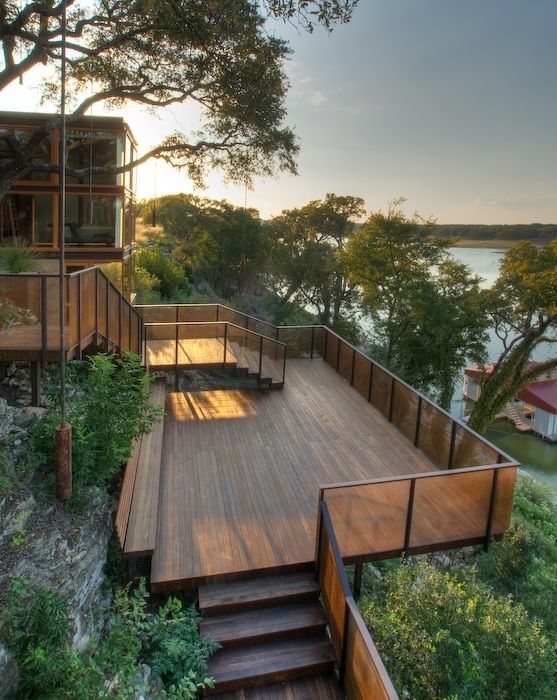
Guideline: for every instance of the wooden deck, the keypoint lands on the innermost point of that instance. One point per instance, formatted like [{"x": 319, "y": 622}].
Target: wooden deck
[{"x": 240, "y": 472}]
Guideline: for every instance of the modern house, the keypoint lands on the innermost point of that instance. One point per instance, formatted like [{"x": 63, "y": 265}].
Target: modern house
[
  {"x": 100, "y": 208},
  {"x": 539, "y": 400},
  {"x": 533, "y": 409}
]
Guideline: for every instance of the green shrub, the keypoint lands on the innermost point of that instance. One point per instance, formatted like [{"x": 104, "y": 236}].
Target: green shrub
[
  {"x": 171, "y": 281},
  {"x": 444, "y": 634},
  {"x": 17, "y": 256},
  {"x": 177, "y": 651},
  {"x": 107, "y": 406},
  {"x": 38, "y": 630}
]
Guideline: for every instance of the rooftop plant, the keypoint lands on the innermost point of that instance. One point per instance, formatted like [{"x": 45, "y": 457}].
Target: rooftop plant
[{"x": 16, "y": 256}]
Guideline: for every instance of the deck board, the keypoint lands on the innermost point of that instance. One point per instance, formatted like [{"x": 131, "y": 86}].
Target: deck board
[{"x": 241, "y": 471}]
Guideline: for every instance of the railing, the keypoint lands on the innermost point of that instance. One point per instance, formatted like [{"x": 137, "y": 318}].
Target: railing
[
  {"x": 361, "y": 670},
  {"x": 449, "y": 443},
  {"x": 445, "y": 440},
  {"x": 180, "y": 345},
  {"x": 387, "y": 517},
  {"x": 301, "y": 341},
  {"x": 95, "y": 310},
  {"x": 384, "y": 518}
]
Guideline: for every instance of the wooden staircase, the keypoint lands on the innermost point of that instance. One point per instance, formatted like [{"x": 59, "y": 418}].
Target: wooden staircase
[
  {"x": 247, "y": 362},
  {"x": 272, "y": 630}
]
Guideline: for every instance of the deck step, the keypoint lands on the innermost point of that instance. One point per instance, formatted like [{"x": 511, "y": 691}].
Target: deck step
[
  {"x": 279, "y": 622},
  {"x": 321, "y": 687},
  {"x": 258, "y": 592},
  {"x": 256, "y": 664}
]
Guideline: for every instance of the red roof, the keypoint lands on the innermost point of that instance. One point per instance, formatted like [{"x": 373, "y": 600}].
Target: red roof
[
  {"x": 479, "y": 373},
  {"x": 541, "y": 394}
]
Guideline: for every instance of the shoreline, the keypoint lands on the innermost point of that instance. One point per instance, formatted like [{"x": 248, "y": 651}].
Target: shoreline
[{"x": 493, "y": 243}]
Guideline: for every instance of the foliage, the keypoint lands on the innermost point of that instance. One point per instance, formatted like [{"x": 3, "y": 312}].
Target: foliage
[
  {"x": 169, "y": 280},
  {"x": 523, "y": 307},
  {"x": 218, "y": 58},
  {"x": 499, "y": 232},
  {"x": 108, "y": 406},
  {"x": 17, "y": 473},
  {"x": 303, "y": 261},
  {"x": 38, "y": 630},
  {"x": 17, "y": 256},
  {"x": 426, "y": 308},
  {"x": 524, "y": 563},
  {"x": 177, "y": 651},
  {"x": 444, "y": 634},
  {"x": 13, "y": 315}
]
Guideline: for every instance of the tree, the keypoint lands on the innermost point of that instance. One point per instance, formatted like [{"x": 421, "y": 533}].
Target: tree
[
  {"x": 217, "y": 56},
  {"x": 426, "y": 308},
  {"x": 158, "y": 273},
  {"x": 304, "y": 263},
  {"x": 523, "y": 309}
]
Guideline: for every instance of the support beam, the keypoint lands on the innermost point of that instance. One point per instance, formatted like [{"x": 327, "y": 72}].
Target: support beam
[{"x": 36, "y": 383}]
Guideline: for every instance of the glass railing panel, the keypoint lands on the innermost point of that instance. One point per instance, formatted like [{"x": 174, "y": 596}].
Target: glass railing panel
[
  {"x": 88, "y": 297},
  {"x": 380, "y": 397},
  {"x": 369, "y": 518},
  {"x": 362, "y": 369},
  {"x": 273, "y": 360},
  {"x": 503, "y": 505},
  {"x": 331, "y": 349},
  {"x": 404, "y": 412},
  {"x": 345, "y": 361},
  {"x": 451, "y": 507},
  {"x": 297, "y": 339},
  {"x": 365, "y": 675},
  {"x": 471, "y": 451},
  {"x": 435, "y": 434},
  {"x": 197, "y": 312}
]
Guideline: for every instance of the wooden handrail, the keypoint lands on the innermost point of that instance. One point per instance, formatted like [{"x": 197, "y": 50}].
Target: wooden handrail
[{"x": 360, "y": 684}]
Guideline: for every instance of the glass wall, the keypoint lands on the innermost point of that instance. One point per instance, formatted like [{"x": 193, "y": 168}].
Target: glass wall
[
  {"x": 27, "y": 216},
  {"x": 95, "y": 149},
  {"x": 93, "y": 219},
  {"x": 11, "y": 139}
]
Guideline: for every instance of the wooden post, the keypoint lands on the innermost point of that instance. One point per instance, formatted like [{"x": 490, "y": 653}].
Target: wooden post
[
  {"x": 44, "y": 322},
  {"x": 63, "y": 460},
  {"x": 35, "y": 383},
  {"x": 409, "y": 514}
]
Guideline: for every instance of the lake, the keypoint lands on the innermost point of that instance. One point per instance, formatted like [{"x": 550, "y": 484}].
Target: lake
[{"x": 538, "y": 457}]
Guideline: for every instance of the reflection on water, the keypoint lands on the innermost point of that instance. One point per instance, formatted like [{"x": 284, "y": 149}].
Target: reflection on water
[{"x": 538, "y": 457}]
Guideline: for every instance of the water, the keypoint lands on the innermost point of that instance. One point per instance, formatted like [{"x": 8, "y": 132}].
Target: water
[{"x": 538, "y": 457}]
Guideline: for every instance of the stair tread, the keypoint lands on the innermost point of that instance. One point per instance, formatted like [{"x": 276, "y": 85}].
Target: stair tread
[
  {"x": 257, "y": 590},
  {"x": 323, "y": 686},
  {"x": 250, "y": 624},
  {"x": 271, "y": 658}
]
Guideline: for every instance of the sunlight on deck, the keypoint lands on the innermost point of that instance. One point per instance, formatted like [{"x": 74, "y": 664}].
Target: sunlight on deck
[{"x": 213, "y": 405}]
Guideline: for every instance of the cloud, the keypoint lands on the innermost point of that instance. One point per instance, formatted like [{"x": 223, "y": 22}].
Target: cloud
[{"x": 316, "y": 97}]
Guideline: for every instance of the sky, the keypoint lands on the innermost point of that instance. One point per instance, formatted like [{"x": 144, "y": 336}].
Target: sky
[{"x": 451, "y": 104}]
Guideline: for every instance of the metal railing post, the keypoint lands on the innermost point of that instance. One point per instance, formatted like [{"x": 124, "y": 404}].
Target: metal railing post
[
  {"x": 452, "y": 446},
  {"x": 312, "y": 342},
  {"x": 489, "y": 527},
  {"x": 225, "y": 343},
  {"x": 418, "y": 422},
  {"x": 44, "y": 322},
  {"x": 391, "y": 399},
  {"x": 353, "y": 366},
  {"x": 260, "y": 356},
  {"x": 79, "y": 330},
  {"x": 409, "y": 514}
]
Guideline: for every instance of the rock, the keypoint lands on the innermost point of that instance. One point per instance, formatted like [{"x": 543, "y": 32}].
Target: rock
[
  {"x": 7, "y": 414},
  {"x": 61, "y": 550},
  {"x": 15, "y": 513},
  {"x": 35, "y": 411},
  {"x": 8, "y": 672}
]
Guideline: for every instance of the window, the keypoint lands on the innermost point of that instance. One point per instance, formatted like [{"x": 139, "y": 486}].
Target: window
[
  {"x": 11, "y": 139},
  {"x": 93, "y": 220},
  {"x": 27, "y": 216},
  {"x": 97, "y": 149}
]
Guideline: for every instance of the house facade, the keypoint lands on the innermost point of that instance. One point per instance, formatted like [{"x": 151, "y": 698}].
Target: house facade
[{"x": 100, "y": 207}]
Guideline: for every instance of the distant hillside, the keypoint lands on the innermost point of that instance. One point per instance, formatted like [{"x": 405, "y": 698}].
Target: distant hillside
[{"x": 515, "y": 232}]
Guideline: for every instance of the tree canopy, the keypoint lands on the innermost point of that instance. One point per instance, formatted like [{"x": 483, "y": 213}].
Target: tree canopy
[
  {"x": 218, "y": 57},
  {"x": 522, "y": 305},
  {"x": 425, "y": 307}
]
